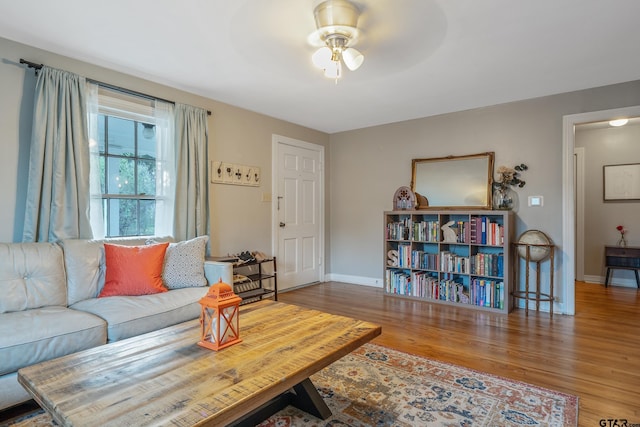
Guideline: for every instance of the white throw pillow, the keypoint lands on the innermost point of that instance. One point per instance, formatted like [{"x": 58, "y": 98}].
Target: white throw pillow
[{"x": 184, "y": 264}]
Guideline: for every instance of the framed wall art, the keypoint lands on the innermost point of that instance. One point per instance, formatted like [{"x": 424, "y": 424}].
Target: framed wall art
[{"x": 621, "y": 182}]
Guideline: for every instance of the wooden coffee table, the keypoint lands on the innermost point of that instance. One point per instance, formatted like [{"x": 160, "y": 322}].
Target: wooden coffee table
[{"x": 165, "y": 378}]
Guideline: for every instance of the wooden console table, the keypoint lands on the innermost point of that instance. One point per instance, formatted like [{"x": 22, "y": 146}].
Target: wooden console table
[{"x": 622, "y": 257}]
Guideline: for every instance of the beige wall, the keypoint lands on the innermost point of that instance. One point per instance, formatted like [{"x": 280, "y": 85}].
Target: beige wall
[
  {"x": 363, "y": 167},
  {"x": 368, "y": 165},
  {"x": 240, "y": 221},
  {"x": 607, "y": 146}
]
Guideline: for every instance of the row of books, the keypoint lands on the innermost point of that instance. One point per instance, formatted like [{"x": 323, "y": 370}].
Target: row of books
[
  {"x": 398, "y": 282},
  {"x": 400, "y": 230},
  {"x": 483, "y": 293},
  {"x": 485, "y": 232},
  {"x": 487, "y": 293},
  {"x": 404, "y": 256},
  {"x": 426, "y": 231},
  {"x": 423, "y": 285},
  {"x": 482, "y": 264},
  {"x": 424, "y": 260},
  {"x": 454, "y": 263},
  {"x": 487, "y": 264},
  {"x": 478, "y": 230}
]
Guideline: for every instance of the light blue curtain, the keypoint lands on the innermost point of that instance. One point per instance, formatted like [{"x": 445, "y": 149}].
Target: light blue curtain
[
  {"x": 191, "y": 213},
  {"x": 58, "y": 185}
]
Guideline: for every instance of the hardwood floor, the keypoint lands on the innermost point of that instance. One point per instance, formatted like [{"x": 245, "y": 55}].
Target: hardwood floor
[{"x": 594, "y": 354}]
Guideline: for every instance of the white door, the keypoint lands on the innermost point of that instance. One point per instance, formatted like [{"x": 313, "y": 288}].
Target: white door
[{"x": 298, "y": 178}]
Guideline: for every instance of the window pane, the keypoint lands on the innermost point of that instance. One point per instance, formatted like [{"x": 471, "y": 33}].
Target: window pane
[
  {"x": 101, "y": 133},
  {"x": 147, "y": 177},
  {"x": 121, "y": 176},
  {"x": 121, "y": 136},
  {"x": 123, "y": 217},
  {"x": 147, "y": 217},
  {"x": 102, "y": 176},
  {"x": 146, "y": 141},
  {"x": 105, "y": 215}
]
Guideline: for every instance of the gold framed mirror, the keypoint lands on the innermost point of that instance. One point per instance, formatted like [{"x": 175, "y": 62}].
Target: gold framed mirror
[{"x": 453, "y": 182}]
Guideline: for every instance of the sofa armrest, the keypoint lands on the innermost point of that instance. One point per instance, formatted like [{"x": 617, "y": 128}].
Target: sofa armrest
[{"x": 215, "y": 271}]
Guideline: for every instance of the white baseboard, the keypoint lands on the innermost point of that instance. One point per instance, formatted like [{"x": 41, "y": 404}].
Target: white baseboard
[
  {"x": 613, "y": 281},
  {"x": 355, "y": 280}
]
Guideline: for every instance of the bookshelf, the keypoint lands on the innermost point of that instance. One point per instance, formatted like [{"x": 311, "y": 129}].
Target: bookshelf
[{"x": 467, "y": 265}]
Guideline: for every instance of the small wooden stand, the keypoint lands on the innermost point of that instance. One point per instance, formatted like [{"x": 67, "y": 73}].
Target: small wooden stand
[
  {"x": 622, "y": 257},
  {"x": 533, "y": 295}
]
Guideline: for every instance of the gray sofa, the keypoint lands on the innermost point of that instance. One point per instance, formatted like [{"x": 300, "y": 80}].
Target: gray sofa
[{"x": 49, "y": 304}]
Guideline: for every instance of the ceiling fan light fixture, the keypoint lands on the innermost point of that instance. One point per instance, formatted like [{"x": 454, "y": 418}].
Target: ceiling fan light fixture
[
  {"x": 322, "y": 57},
  {"x": 336, "y": 13},
  {"x": 334, "y": 70},
  {"x": 337, "y": 32},
  {"x": 352, "y": 58}
]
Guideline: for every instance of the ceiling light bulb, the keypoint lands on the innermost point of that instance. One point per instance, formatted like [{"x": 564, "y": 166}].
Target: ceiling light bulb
[
  {"x": 618, "y": 122},
  {"x": 352, "y": 58},
  {"x": 148, "y": 131},
  {"x": 333, "y": 71},
  {"x": 322, "y": 58}
]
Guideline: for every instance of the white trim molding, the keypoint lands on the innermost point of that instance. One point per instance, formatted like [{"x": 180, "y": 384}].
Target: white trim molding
[{"x": 568, "y": 194}]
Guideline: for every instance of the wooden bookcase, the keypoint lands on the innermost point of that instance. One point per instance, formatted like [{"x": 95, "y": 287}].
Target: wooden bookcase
[{"x": 473, "y": 271}]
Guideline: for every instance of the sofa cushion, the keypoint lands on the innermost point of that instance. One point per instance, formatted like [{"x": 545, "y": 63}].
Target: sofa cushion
[
  {"x": 32, "y": 336},
  {"x": 184, "y": 264},
  {"x": 32, "y": 275},
  {"x": 128, "y": 316},
  {"x": 85, "y": 264},
  {"x": 133, "y": 270}
]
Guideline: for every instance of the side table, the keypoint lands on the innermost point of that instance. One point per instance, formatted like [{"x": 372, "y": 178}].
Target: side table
[{"x": 622, "y": 257}]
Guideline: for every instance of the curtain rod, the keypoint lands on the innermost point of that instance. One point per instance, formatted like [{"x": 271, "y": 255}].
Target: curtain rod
[{"x": 107, "y": 85}]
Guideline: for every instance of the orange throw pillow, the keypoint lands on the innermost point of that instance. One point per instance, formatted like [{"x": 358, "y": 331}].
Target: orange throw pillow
[{"x": 133, "y": 270}]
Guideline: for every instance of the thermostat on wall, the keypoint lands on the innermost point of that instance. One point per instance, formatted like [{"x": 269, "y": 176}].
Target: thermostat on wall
[{"x": 535, "y": 201}]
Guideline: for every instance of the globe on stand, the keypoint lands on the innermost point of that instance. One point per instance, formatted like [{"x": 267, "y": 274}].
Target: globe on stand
[{"x": 534, "y": 237}]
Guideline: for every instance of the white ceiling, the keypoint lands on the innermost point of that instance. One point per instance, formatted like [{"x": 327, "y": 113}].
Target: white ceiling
[{"x": 422, "y": 57}]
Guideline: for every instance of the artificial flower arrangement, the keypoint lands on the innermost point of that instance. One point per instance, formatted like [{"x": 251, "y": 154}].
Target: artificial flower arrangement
[
  {"x": 510, "y": 176},
  {"x": 503, "y": 196},
  {"x": 622, "y": 230}
]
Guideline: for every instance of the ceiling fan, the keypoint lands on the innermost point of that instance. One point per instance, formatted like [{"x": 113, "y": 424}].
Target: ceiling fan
[{"x": 336, "y": 34}]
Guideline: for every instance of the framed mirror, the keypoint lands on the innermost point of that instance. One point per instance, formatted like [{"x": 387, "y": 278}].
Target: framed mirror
[{"x": 453, "y": 182}]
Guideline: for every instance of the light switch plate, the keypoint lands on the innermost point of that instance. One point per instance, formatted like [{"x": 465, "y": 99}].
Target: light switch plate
[{"x": 536, "y": 201}]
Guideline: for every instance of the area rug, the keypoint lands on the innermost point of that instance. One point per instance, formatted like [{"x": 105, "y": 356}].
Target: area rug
[{"x": 378, "y": 386}]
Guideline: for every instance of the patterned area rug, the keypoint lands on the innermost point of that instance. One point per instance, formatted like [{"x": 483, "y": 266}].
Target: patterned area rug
[{"x": 378, "y": 386}]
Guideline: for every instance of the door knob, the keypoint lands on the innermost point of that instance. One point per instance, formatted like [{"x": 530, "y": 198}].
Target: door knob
[{"x": 282, "y": 224}]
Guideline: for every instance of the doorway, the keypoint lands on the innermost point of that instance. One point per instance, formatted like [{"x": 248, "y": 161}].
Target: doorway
[
  {"x": 298, "y": 211},
  {"x": 569, "y": 214}
]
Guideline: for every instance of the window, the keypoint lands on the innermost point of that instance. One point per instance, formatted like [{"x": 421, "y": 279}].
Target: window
[
  {"x": 127, "y": 175},
  {"x": 131, "y": 165}
]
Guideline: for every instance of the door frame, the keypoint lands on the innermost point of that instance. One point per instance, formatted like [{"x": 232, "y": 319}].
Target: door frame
[
  {"x": 579, "y": 194},
  {"x": 568, "y": 194},
  {"x": 276, "y": 141}
]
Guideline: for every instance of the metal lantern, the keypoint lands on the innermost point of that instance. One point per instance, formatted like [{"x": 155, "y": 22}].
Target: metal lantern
[{"x": 219, "y": 319}]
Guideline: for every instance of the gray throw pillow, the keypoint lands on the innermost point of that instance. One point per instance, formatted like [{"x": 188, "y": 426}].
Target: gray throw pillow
[{"x": 184, "y": 264}]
